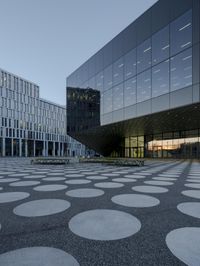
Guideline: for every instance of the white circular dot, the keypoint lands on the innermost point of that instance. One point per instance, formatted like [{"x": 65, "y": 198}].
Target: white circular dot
[
  {"x": 135, "y": 200},
  {"x": 193, "y": 180},
  {"x": 41, "y": 207},
  {"x": 74, "y": 175},
  {"x": 150, "y": 189},
  {"x": 158, "y": 183},
  {"x": 24, "y": 183},
  {"x": 54, "y": 179},
  {"x": 193, "y": 185},
  {"x": 190, "y": 208},
  {"x": 191, "y": 193},
  {"x": 123, "y": 180},
  {"x": 108, "y": 185},
  {"x": 135, "y": 176},
  {"x": 164, "y": 178},
  {"x": 34, "y": 176},
  {"x": 84, "y": 193},
  {"x": 18, "y": 175},
  {"x": 184, "y": 244},
  {"x": 110, "y": 174},
  {"x": 7, "y": 180},
  {"x": 12, "y": 196},
  {"x": 77, "y": 181},
  {"x": 97, "y": 177},
  {"x": 104, "y": 224},
  {"x": 53, "y": 187},
  {"x": 35, "y": 256}
]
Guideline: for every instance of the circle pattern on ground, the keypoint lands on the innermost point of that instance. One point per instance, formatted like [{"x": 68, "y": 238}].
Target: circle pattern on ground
[
  {"x": 164, "y": 178},
  {"x": 7, "y": 180},
  {"x": 190, "y": 208},
  {"x": 104, "y": 224},
  {"x": 45, "y": 256},
  {"x": 150, "y": 189},
  {"x": 12, "y": 196},
  {"x": 24, "y": 183},
  {"x": 54, "y": 179},
  {"x": 77, "y": 181},
  {"x": 134, "y": 176},
  {"x": 158, "y": 183},
  {"x": 52, "y": 187},
  {"x": 108, "y": 185},
  {"x": 184, "y": 244},
  {"x": 34, "y": 176},
  {"x": 124, "y": 180},
  {"x": 135, "y": 200},
  {"x": 191, "y": 193},
  {"x": 85, "y": 193},
  {"x": 193, "y": 185},
  {"x": 97, "y": 177},
  {"x": 74, "y": 175},
  {"x": 41, "y": 207},
  {"x": 110, "y": 174}
]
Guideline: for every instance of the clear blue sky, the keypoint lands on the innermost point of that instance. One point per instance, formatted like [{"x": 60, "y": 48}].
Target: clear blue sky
[{"x": 45, "y": 40}]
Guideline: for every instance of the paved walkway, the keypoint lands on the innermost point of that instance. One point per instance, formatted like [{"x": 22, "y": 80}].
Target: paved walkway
[{"x": 92, "y": 214}]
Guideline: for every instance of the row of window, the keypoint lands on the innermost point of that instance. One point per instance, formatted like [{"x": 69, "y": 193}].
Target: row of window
[
  {"x": 167, "y": 76},
  {"x": 9, "y": 81},
  {"x": 166, "y": 43}
]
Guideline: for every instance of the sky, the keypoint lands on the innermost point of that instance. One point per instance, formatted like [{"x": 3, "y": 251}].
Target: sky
[{"x": 44, "y": 41}]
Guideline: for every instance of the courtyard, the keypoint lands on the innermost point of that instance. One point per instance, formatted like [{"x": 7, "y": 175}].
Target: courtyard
[{"x": 95, "y": 214}]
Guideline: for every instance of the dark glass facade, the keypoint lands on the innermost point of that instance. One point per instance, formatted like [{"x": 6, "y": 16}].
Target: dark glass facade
[{"x": 151, "y": 67}]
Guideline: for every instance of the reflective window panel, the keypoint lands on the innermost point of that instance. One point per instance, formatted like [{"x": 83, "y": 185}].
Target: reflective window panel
[
  {"x": 130, "y": 92},
  {"x": 181, "y": 33},
  {"x": 144, "y": 56},
  {"x": 181, "y": 70},
  {"x": 160, "y": 79},
  {"x": 160, "y": 46},
  {"x": 118, "y": 97},
  {"x": 108, "y": 77},
  {"x": 130, "y": 64},
  {"x": 118, "y": 71},
  {"x": 107, "y": 101},
  {"x": 99, "y": 81},
  {"x": 144, "y": 86}
]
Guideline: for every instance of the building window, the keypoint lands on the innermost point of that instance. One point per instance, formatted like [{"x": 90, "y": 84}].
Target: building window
[
  {"x": 181, "y": 33},
  {"x": 144, "y": 86},
  {"x": 107, "y": 101},
  {"x": 130, "y": 92},
  {"x": 118, "y": 97},
  {"x": 130, "y": 64},
  {"x": 99, "y": 81},
  {"x": 118, "y": 71},
  {"x": 160, "y": 46},
  {"x": 160, "y": 79},
  {"x": 181, "y": 70},
  {"x": 108, "y": 78},
  {"x": 144, "y": 56}
]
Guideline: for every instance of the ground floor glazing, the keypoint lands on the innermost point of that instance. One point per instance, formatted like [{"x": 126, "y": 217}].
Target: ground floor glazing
[{"x": 179, "y": 144}]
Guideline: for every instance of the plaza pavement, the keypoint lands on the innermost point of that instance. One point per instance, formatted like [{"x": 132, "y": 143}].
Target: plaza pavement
[{"x": 102, "y": 215}]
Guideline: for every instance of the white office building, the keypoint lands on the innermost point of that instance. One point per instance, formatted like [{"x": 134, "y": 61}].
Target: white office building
[{"x": 30, "y": 125}]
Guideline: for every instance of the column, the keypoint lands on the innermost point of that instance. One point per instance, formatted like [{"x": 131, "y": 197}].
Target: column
[
  {"x": 3, "y": 147},
  {"x": 12, "y": 152},
  {"x": 54, "y": 147},
  {"x": 43, "y": 150},
  {"x": 20, "y": 148},
  {"x": 59, "y": 148},
  {"x": 26, "y": 148},
  {"x": 62, "y": 149},
  {"x": 47, "y": 148},
  {"x": 33, "y": 148}
]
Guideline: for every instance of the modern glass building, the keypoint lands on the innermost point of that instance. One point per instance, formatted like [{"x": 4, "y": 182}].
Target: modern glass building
[
  {"x": 30, "y": 125},
  {"x": 148, "y": 78}
]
